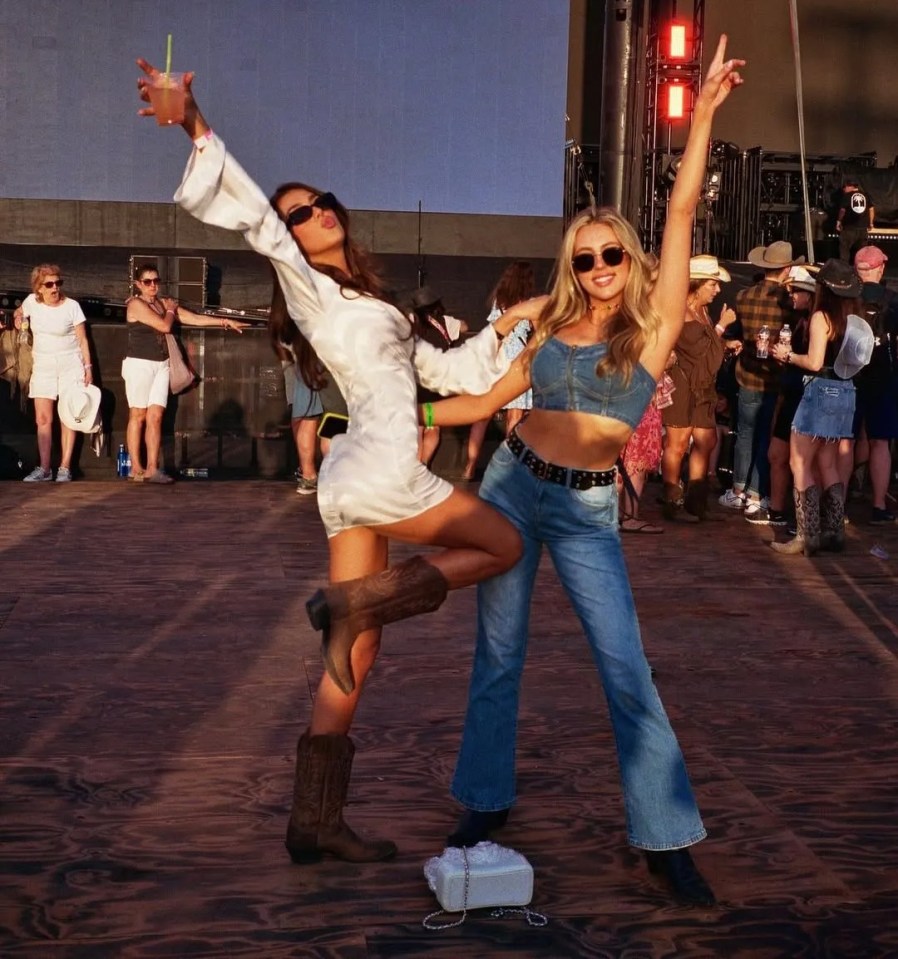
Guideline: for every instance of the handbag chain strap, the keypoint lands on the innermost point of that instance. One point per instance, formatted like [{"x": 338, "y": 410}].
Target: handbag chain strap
[{"x": 533, "y": 918}]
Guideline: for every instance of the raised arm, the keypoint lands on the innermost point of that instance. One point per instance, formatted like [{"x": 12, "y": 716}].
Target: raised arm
[
  {"x": 669, "y": 294},
  {"x": 194, "y": 124},
  {"x": 217, "y": 191},
  {"x": 189, "y": 318}
]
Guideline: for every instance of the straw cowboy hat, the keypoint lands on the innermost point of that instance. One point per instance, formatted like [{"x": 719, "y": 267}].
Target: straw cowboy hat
[
  {"x": 706, "y": 267},
  {"x": 777, "y": 256},
  {"x": 800, "y": 279},
  {"x": 79, "y": 408}
]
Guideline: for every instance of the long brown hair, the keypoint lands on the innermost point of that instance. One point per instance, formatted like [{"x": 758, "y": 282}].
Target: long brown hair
[
  {"x": 836, "y": 310},
  {"x": 361, "y": 278},
  {"x": 284, "y": 333},
  {"x": 516, "y": 283}
]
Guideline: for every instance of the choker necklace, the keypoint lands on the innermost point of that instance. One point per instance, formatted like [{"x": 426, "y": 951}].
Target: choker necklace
[{"x": 603, "y": 308}]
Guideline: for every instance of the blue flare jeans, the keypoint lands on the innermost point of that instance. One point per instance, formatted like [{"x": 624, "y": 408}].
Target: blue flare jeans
[{"x": 580, "y": 529}]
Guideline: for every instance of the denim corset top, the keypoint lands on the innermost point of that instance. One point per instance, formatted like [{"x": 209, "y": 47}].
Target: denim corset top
[{"x": 564, "y": 378}]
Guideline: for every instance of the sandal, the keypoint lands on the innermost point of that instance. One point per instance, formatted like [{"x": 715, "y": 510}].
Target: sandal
[
  {"x": 138, "y": 477},
  {"x": 160, "y": 477},
  {"x": 634, "y": 525}
]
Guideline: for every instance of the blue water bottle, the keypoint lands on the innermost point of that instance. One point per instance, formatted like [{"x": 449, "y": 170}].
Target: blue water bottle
[{"x": 123, "y": 463}]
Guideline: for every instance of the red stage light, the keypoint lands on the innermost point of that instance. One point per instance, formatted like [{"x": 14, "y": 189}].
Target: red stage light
[
  {"x": 676, "y": 48},
  {"x": 676, "y": 101}
]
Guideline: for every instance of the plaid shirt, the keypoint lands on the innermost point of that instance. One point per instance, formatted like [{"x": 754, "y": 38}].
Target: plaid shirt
[{"x": 764, "y": 304}]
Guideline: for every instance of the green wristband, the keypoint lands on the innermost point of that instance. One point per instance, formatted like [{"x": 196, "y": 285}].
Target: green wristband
[{"x": 428, "y": 415}]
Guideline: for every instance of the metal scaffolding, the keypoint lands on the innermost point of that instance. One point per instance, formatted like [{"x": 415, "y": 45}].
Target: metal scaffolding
[{"x": 661, "y": 159}]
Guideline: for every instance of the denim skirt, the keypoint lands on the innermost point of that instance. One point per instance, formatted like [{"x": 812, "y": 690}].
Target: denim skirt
[{"x": 826, "y": 410}]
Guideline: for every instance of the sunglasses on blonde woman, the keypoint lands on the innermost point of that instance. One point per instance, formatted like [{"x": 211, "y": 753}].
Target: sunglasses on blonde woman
[
  {"x": 302, "y": 214},
  {"x": 610, "y": 256},
  {"x": 51, "y": 284}
]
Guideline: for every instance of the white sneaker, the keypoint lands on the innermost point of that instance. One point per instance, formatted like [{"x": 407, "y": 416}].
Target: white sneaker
[
  {"x": 753, "y": 506},
  {"x": 63, "y": 475},
  {"x": 732, "y": 500},
  {"x": 37, "y": 475}
]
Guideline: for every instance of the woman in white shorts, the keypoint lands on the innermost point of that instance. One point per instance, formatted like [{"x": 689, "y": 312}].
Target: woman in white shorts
[
  {"x": 145, "y": 369},
  {"x": 61, "y": 359}
]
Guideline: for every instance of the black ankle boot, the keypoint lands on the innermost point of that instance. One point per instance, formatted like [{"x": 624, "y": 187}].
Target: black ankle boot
[
  {"x": 677, "y": 867},
  {"x": 475, "y": 827}
]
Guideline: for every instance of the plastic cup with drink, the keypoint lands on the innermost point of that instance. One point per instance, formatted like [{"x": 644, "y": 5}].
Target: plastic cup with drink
[
  {"x": 168, "y": 95},
  {"x": 762, "y": 343}
]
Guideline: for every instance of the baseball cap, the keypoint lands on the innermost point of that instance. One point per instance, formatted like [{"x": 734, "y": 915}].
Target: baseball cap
[{"x": 869, "y": 258}]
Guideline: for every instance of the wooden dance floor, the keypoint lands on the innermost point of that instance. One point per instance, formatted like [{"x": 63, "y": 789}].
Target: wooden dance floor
[{"x": 157, "y": 668}]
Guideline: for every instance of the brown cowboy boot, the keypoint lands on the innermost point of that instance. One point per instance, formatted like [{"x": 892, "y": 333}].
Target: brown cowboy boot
[
  {"x": 832, "y": 518},
  {"x": 344, "y": 610},
  {"x": 807, "y": 517},
  {"x": 672, "y": 504},
  {"x": 316, "y": 827},
  {"x": 696, "y": 501}
]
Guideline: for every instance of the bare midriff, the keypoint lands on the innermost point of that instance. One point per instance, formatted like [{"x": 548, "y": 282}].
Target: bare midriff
[{"x": 580, "y": 440}]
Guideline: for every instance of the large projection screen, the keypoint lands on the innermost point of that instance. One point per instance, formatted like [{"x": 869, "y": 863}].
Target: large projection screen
[{"x": 456, "y": 104}]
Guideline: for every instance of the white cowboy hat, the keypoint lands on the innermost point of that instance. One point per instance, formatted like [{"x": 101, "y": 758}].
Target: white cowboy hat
[
  {"x": 856, "y": 349},
  {"x": 79, "y": 408},
  {"x": 800, "y": 279},
  {"x": 706, "y": 267}
]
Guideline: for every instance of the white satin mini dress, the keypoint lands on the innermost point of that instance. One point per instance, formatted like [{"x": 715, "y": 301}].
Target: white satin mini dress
[{"x": 372, "y": 474}]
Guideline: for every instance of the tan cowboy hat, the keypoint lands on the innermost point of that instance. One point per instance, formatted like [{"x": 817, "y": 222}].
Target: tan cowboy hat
[
  {"x": 79, "y": 408},
  {"x": 777, "y": 256},
  {"x": 706, "y": 267}
]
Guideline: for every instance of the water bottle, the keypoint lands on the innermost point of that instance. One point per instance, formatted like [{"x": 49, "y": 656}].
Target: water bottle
[
  {"x": 762, "y": 343},
  {"x": 193, "y": 472},
  {"x": 123, "y": 463},
  {"x": 25, "y": 335},
  {"x": 785, "y": 337}
]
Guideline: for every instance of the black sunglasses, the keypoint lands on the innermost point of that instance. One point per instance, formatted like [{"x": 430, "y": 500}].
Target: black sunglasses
[
  {"x": 149, "y": 279},
  {"x": 610, "y": 256},
  {"x": 51, "y": 284},
  {"x": 302, "y": 214}
]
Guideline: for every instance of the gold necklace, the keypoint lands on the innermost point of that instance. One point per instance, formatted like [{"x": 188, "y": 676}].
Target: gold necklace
[{"x": 603, "y": 309}]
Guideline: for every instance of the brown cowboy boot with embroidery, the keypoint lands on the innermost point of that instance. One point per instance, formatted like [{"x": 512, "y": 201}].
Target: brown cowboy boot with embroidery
[
  {"x": 344, "y": 610},
  {"x": 807, "y": 517},
  {"x": 316, "y": 827},
  {"x": 832, "y": 518}
]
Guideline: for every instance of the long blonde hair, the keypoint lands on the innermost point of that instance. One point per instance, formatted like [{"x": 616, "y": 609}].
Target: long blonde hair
[{"x": 633, "y": 325}]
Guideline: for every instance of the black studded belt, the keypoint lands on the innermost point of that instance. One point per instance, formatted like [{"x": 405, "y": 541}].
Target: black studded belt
[{"x": 551, "y": 473}]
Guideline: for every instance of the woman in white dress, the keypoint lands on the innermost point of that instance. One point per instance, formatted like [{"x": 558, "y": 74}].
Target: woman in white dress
[{"x": 371, "y": 487}]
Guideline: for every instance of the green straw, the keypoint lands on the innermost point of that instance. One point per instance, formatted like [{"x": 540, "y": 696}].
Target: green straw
[{"x": 168, "y": 56}]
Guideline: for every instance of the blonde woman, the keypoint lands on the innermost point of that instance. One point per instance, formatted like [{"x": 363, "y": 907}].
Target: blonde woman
[
  {"x": 602, "y": 341},
  {"x": 61, "y": 358}
]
